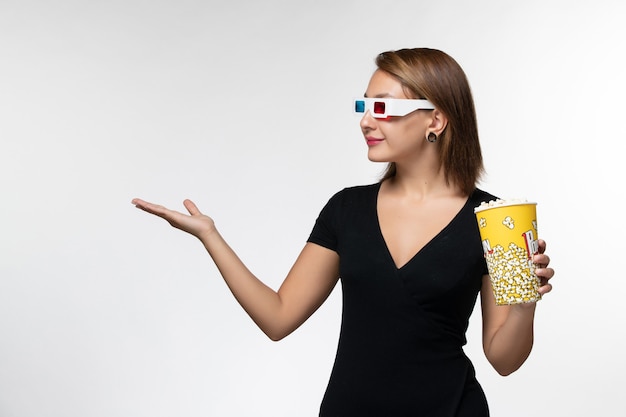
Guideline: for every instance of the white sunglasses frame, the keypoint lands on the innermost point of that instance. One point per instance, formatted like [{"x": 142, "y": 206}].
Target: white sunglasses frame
[{"x": 392, "y": 106}]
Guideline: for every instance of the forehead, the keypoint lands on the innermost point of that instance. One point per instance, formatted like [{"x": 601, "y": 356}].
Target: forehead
[{"x": 383, "y": 85}]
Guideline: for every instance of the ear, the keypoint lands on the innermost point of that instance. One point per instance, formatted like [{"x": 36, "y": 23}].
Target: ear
[{"x": 438, "y": 122}]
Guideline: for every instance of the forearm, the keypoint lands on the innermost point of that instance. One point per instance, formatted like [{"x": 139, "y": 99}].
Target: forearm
[
  {"x": 261, "y": 302},
  {"x": 277, "y": 313},
  {"x": 512, "y": 343}
]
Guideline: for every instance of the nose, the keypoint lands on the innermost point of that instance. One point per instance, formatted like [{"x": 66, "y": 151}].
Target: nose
[{"x": 367, "y": 122}]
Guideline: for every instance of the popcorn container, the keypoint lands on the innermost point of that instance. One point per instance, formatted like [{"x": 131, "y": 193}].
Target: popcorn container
[{"x": 508, "y": 230}]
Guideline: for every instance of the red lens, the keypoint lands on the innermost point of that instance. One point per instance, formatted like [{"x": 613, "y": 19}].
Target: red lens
[{"x": 379, "y": 107}]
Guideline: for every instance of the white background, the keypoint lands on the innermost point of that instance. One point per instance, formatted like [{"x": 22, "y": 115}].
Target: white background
[{"x": 244, "y": 106}]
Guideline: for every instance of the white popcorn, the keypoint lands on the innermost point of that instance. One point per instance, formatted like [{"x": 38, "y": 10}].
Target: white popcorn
[
  {"x": 500, "y": 203},
  {"x": 513, "y": 279}
]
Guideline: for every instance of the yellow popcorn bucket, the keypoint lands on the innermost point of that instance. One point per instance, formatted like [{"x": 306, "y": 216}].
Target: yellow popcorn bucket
[{"x": 508, "y": 231}]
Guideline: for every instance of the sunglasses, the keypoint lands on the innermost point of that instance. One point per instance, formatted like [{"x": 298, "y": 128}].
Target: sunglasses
[{"x": 381, "y": 108}]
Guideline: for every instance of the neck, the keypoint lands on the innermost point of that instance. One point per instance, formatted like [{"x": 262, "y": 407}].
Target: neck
[{"x": 421, "y": 181}]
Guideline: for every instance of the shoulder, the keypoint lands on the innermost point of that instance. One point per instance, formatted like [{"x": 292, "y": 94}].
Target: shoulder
[
  {"x": 344, "y": 208},
  {"x": 356, "y": 192},
  {"x": 360, "y": 189},
  {"x": 479, "y": 196},
  {"x": 352, "y": 198}
]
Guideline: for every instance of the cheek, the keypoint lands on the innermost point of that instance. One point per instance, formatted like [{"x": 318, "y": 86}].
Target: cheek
[
  {"x": 412, "y": 133},
  {"x": 400, "y": 133},
  {"x": 403, "y": 131}
]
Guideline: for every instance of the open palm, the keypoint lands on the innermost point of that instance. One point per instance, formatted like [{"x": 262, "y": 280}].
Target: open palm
[{"x": 194, "y": 223}]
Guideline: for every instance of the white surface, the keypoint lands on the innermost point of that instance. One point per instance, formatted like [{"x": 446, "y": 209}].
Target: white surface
[{"x": 244, "y": 107}]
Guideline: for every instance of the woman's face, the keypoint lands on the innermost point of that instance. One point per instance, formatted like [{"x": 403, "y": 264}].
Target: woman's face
[{"x": 397, "y": 138}]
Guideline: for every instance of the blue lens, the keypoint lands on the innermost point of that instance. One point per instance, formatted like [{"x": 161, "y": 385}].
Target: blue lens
[{"x": 359, "y": 106}]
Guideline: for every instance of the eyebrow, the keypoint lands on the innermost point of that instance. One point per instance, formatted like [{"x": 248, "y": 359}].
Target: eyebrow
[{"x": 385, "y": 95}]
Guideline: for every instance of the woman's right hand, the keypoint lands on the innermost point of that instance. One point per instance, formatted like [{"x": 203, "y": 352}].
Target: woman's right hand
[{"x": 194, "y": 223}]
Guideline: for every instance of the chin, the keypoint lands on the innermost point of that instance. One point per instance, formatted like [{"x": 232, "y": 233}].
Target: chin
[{"x": 375, "y": 158}]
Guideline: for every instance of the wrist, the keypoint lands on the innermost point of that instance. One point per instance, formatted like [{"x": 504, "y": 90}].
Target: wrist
[
  {"x": 211, "y": 238},
  {"x": 524, "y": 310}
]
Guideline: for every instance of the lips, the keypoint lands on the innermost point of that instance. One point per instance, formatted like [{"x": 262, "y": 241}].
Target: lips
[{"x": 373, "y": 141}]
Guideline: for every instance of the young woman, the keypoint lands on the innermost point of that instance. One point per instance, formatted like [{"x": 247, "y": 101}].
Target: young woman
[{"x": 407, "y": 250}]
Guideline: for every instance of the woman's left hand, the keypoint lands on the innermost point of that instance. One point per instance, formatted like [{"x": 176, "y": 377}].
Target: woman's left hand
[{"x": 542, "y": 271}]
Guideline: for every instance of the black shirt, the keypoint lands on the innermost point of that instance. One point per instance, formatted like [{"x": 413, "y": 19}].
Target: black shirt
[{"x": 400, "y": 348}]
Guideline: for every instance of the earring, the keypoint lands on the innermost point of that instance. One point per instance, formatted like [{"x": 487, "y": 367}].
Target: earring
[{"x": 432, "y": 137}]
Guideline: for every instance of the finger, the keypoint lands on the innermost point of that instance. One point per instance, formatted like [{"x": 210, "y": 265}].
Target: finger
[
  {"x": 191, "y": 207},
  {"x": 150, "y": 207},
  {"x": 544, "y": 273},
  {"x": 541, "y": 260},
  {"x": 141, "y": 204},
  {"x": 544, "y": 289},
  {"x": 138, "y": 202},
  {"x": 542, "y": 245}
]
